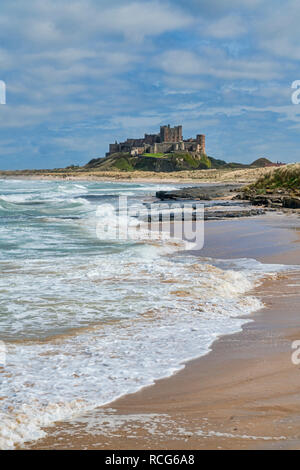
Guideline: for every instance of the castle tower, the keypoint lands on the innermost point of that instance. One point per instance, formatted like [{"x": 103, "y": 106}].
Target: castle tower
[
  {"x": 201, "y": 142},
  {"x": 170, "y": 134},
  {"x": 164, "y": 133},
  {"x": 179, "y": 134}
]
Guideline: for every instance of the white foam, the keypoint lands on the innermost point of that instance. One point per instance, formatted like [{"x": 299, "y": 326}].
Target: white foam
[
  {"x": 15, "y": 198},
  {"x": 161, "y": 325}
]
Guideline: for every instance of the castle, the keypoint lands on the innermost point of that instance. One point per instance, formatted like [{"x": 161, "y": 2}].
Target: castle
[{"x": 168, "y": 140}]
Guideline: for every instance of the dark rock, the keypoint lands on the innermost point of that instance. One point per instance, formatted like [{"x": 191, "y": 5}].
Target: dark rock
[
  {"x": 291, "y": 202},
  {"x": 274, "y": 199},
  {"x": 199, "y": 193},
  {"x": 217, "y": 214}
]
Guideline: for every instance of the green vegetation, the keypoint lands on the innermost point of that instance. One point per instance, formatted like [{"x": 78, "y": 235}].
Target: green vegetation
[
  {"x": 123, "y": 164},
  {"x": 154, "y": 155},
  {"x": 188, "y": 159},
  {"x": 183, "y": 161},
  {"x": 159, "y": 162},
  {"x": 153, "y": 162},
  {"x": 216, "y": 163},
  {"x": 205, "y": 161},
  {"x": 286, "y": 177}
]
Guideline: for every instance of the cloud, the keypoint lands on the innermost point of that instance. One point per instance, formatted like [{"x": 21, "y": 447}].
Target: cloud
[
  {"x": 213, "y": 62},
  {"x": 183, "y": 85},
  {"x": 53, "y": 21},
  {"x": 140, "y": 19},
  {"x": 227, "y": 27}
]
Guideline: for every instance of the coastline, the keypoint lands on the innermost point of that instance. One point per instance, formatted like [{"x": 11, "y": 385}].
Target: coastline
[
  {"x": 228, "y": 175},
  {"x": 240, "y": 395}
]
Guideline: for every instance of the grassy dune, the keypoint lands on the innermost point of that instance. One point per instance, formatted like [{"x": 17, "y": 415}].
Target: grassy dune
[
  {"x": 278, "y": 188},
  {"x": 283, "y": 178}
]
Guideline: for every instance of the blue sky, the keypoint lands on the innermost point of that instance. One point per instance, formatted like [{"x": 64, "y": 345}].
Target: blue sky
[{"x": 82, "y": 74}]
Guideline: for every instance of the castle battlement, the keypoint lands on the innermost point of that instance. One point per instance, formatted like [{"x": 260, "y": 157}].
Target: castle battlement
[{"x": 168, "y": 140}]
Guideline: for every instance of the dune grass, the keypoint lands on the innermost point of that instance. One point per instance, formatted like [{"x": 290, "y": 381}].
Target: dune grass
[{"x": 286, "y": 177}]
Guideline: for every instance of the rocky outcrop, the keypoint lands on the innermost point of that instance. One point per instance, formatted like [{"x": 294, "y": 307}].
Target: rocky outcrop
[
  {"x": 208, "y": 193},
  {"x": 199, "y": 193},
  {"x": 230, "y": 214},
  {"x": 217, "y": 214},
  {"x": 275, "y": 199}
]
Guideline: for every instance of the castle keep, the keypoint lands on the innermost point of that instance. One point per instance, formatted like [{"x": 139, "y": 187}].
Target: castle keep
[{"x": 168, "y": 140}]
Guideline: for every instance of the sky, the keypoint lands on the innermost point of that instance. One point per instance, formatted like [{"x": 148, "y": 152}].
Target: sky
[{"x": 81, "y": 74}]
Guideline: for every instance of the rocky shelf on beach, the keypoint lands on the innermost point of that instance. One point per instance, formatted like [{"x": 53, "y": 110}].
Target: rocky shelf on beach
[
  {"x": 223, "y": 193},
  {"x": 275, "y": 199},
  {"x": 200, "y": 193},
  {"x": 230, "y": 214},
  {"x": 212, "y": 214}
]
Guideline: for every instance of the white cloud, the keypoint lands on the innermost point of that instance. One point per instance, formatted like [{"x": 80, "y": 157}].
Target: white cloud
[
  {"x": 43, "y": 31},
  {"x": 213, "y": 62},
  {"x": 226, "y": 27},
  {"x": 51, "y": 21},
  {"x": 181, "y": 62},
  {"x": 140, "y": 19},
  {"x": 177, "y": 84}
]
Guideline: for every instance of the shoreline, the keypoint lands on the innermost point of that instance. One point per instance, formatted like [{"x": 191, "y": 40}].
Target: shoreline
[
  {"x": 228, "y": 175},
  {"x": 225, "y": 399}
]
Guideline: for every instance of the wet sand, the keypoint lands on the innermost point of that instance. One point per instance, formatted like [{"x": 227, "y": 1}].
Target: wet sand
[{"x": 243, "y": 394}]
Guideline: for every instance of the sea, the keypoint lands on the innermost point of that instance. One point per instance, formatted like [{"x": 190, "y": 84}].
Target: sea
[{"x": 86, "y": 316}]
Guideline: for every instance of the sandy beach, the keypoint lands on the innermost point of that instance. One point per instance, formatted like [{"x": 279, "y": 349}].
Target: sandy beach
[
  {"x": 243, "y": 394},
  {"x": 245, "y": 175}
]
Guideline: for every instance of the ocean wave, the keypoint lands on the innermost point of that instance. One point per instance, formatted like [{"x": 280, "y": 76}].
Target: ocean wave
[{"x": 174, "y": 310}]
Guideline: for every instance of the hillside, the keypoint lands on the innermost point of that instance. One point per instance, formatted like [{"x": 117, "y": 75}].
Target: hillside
[
  {"x": 167, "y": 163},
  {"x": 155, "y": 162},
  {"x": 261, "y": 163}
]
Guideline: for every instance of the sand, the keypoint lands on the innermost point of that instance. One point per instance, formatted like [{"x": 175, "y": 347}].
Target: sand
[
  {"x": 243, "y": 394},
  {"x": 228, "y": 175}
]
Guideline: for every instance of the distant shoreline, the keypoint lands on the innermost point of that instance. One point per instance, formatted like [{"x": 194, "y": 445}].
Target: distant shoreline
[{"x": 186, "y": 176}]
